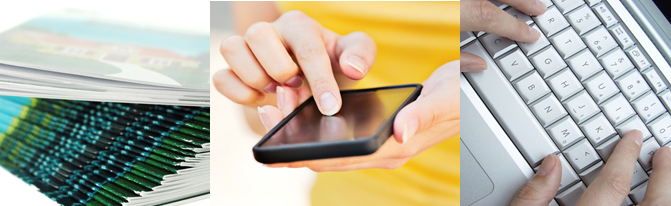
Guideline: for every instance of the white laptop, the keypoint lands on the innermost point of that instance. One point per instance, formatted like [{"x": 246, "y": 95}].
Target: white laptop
[{"x": 600, "y": 69}]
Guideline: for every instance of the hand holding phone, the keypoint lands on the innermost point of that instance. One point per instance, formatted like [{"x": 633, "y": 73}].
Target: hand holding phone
[{"x": 435, "y": 114}]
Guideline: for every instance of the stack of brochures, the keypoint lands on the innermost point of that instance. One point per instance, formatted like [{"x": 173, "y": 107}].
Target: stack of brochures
[
  {"x": 94, "y": 111},
  {"x": 100, "y": 153},
  {"x": 73, "y": 54}
]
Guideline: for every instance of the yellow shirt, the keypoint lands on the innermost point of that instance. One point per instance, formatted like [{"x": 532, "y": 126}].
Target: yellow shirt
[{"x": 413, "y": 39}]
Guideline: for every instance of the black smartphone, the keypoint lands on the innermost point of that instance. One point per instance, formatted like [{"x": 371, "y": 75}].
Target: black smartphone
[{"x": 362, "y": 125}]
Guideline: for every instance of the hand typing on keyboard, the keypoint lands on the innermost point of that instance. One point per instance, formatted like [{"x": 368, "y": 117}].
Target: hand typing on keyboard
[
  {"x": 485, "y": 16},
  {"x": 612, "y": 185},
  {"x": 263, "y": 59},
  {"x": 427, "y": 121}
]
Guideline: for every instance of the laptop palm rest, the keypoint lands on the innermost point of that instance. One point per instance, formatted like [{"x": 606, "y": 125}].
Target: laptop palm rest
[{"x": 489, "y": 175}]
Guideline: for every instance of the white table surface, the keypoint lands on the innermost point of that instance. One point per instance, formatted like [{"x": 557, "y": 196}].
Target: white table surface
[{"x": 189, "y": 15}]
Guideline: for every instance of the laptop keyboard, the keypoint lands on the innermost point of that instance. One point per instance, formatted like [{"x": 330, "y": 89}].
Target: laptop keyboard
[{"x": 574, "y": 92}]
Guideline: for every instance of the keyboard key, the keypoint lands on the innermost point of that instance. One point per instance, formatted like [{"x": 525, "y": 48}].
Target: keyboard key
[
  {"x": 530, "y": 48},
  {"x": 599, "y": 41},
  {"x": 638, "y": 193},
  {"x": 652, "y": 76},
  {"x": 598, "y": 129},
  {"x": 567, "y": 5},
  {"x": 581, "y": 107},
  {"x": 592, "y": 2},
  {"x": 514, "y": 65},
  {"x": 616, "y": 63},
  {"x": 632, "y": 85},
  {"x": 567, "y": 43},
  {"x": 520, "y": 15},
  {"x": 627, "y": 202},
  {"x": 621, "y": 36},
  {"x": 565, "y": 132},
  {"x": 665, "y": 96},
  {"x": 648, "y": 149},
  {"x": 661, "y": 129},
  {"x": 548, "y": 110},
  {"x": 466, "y": 37},
  {"x": 531, "y": 87},
  {"x": 551, "y": 22},
  {"x": 497, "y": 45},
  {"x": 553, "y": 202},
  {"x": 617, "y": 109},
  {"x": 605, "y": 15},
  {"x": 638, "y": 58},
  {"x": 583, "y": 19},
  {"x": 601, "y": 87},
  {"x": 571, "y": 195},
  {"x": 584, "y": 64},
  {"x": 564, "y": 84},
  {"x": 588, "y": 176},
  {"x": 631, "y": 124},
  {"x": 639, "y": 176},
  {"x": 499, "y": 4},
  {"x": 568, "y": 176},
  {"x": 508, "y": 107},
  {"x": 607, "y": 148},
  {"x": 581, "y": 155},
  {"x": 648, "y": 107},
  {"x": 547, "y": 62}
]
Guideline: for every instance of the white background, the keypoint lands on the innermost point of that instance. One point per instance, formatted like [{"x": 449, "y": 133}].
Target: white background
[
  {"x": 236, "y": 178},
  {"x": 189, "y": 15}
]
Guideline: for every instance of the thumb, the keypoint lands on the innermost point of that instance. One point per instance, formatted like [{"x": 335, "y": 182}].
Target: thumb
[
  {"x": 543, "y": 186},
  {"x": 411, "y": 118},
  {"x": 357, "y": 53},
  {"x": 438, "y": 103}
]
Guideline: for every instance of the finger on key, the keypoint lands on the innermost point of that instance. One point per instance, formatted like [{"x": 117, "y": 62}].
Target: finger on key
[
  {"x": 241, "y": 59},
  {"x": 228, "y": 84},
  {"x": 268, "y": 48},
  {"x": 612, "y": 184},
  {"x": 484, "y": 16},
  {"x": 659, "y": 184},
  {"x": 471, "y": 62},
  {"x": 531, "y": 7},
  {"x": 357, "y": 53},
  {"x": 304, "y": 39},
  {"x": 543, "y": 186}
]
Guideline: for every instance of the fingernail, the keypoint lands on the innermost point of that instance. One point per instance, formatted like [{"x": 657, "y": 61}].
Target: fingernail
[
  {"x": 473, "y": 67},
  {"x": 546, "y": 166},
  {"x": 280, "y": 96},
  {"x": 264, "y": 117},
  {"x": 534, "y": 33},
  {"x": 270, "y": 88},
  {"x": 327, "y": 101},
  {"x": 295, "y": 82},
  {"x": 668, "y": 151},
  {"x": 638, "y": 137},
  {"x": 357, "y": 62},
  {"x": 409, "y": 129}
]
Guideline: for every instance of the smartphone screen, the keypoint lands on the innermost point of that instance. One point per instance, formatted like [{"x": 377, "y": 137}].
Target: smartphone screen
[{"x": 361, "y": 115}]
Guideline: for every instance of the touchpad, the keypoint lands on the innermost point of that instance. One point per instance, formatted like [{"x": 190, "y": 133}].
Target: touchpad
[{"x": 475, "y": 184}]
